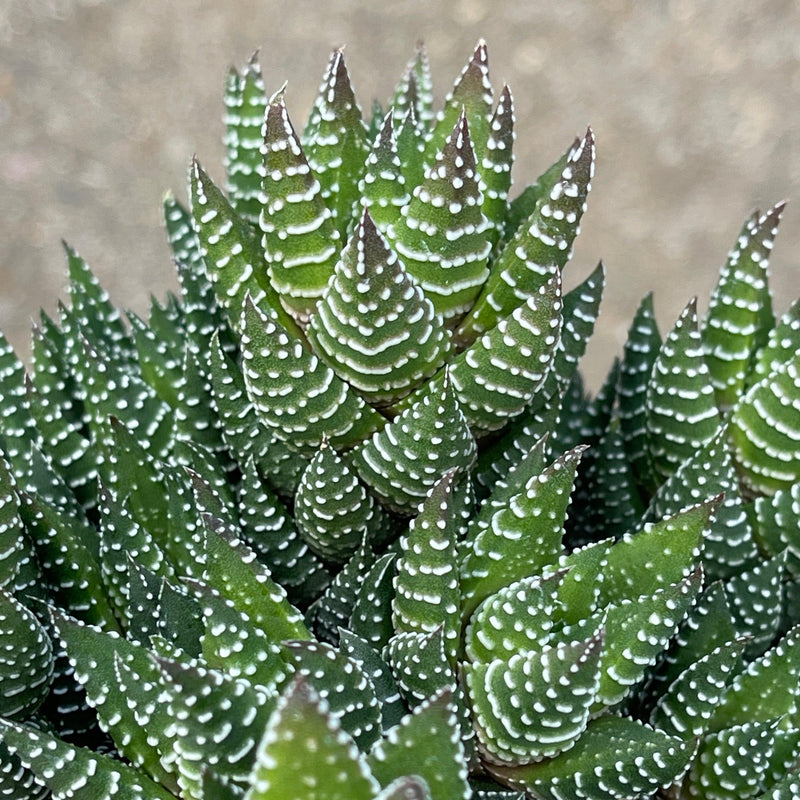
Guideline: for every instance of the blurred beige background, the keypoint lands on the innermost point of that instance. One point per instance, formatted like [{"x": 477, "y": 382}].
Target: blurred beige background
[{"x": 695, "y": 105}]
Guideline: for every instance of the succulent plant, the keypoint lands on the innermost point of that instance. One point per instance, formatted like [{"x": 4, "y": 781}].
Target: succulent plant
[{"x": 341, "y": 521}]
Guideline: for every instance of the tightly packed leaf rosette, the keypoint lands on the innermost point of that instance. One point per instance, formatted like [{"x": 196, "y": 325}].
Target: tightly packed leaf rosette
[{"x": 341, "y": 521}]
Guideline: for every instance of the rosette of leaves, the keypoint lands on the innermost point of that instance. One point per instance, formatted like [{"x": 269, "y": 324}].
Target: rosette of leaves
[{"x": 339, "y": 520}]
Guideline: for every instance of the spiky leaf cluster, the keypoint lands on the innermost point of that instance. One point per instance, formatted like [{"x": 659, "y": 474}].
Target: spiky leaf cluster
[{"x": 341, "y": 521}]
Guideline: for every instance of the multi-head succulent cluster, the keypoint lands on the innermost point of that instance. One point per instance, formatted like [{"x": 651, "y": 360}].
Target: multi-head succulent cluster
[{"x": 341, "y": 523}]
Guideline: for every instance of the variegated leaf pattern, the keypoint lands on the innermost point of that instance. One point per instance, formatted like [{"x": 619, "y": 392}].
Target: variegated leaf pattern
[
  {"x": 299, "y": 236},
  {"x": 764, "y": 430},
  {"x": 309, "y": 401},
  {"x": 542, "y": 244},
  {"x": 739, "y": 315},
  {"x": 441, "y": 235},
  {"x": 374, "y": 325},
  {"x": 681, "y": 410},
  {"x": 402, "y": 462},
  {"x": 428, "y": 595},
  {"x": 321, "y": 525},
  {"x": 328, "y": 759},
  {"x": 432, "y": 728},
  {"x": 536, "y": 704},
  {"x": 332, "y": 509},
  {"x": 245, "y": 107},
  {"x": 599, "y": 766},
  {"x": 336, "y": 143}
]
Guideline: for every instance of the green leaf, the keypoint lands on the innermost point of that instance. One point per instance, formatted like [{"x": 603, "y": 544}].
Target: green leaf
[
  {"x": 269, "y": 530},
  {"x": 67, "y": 549},
  {"x": 427, "y": 594},
  {"x": 296, "y": 395},
  {"x": 372, "y": 613},
  {"x": 122, "y": 684},
  {"x": 300, "y": 239},
  {"x": 26, "y": 659},
  {"x": 112, "y": 392},
  {"x": 333, "y": 510},
  {"x": 471, "y": 96},
  {"x": 139, "y": 477},
  {"x": 232, "y": 569},
  {"x": 495, "y": 165},
  {"x": 517, "y": 619},
  {"x": 408, "y": 787},
  {"x": 777, "y": 521},
  {"x": 374, "y": 326},
  {"x": 327, "y": 765},
  {"x": 414, "y": 92},
  {"x": 58, "y": 414},
  {"x": 498, "y": 458},
  {"x": 332, "y": 610},
  {"x": 94, "y": 313},
  {"x": 523, "y": 537},
  {"x": 534, "y": 705},
  {"x": 121, "y": 539},
  {"x": 242, "y": 431},
  {"x": 232, "y": 253},
  {"x": 708, "y": 626},
  {"x": 17, "y": 427},
  {"x": 217, "y": 722},
  {"x": 510, "y": 481},
  {"x": 182, "y": 238},
  {"x": 335, "y": 142},
  {"x": 18, "y": 782},
  {"x": 755, "y": 598},
  {"x": 20, "y": 573},
  {"x": 739, "y": 316},
  {"x": 161, "y": 610},
  {"x": 729, "y": 545},
  {"x": 766, "y": 690},
  {"x": 522, "y": 206},
  {"x": 412, "y": 135},
  {"x": 730, "y": 764},
  {"x": 764, "y": 430},
  {"x": 245, "y": 108},
  {"x": 160, "y": 362},
  {"x": 498, "y": 376},
  {"x": 579, "y": 591},
  {"x": 637, "y": 631},
  {"x": 615, "y": 500},
  {"x": 581, "y": 307},
  {"x": 681, "y": 410},
  {"x": 76, "y": 772},
  {"x": 599, "y": 766},
  {"x": 782, "y": 343},
  {"x": 641, "y": 351},
  {"x": 401, "y": 463},
  {"x": 541, "y": 245},
  {"x": 433, "y": 729},
  {"x": 441, "y": 236},
  {"x": 378, "y": 672},
  {"x": 346, "y": 689},
  {"x": 686, "y": 708},
  {"x": 661, "y": 554},
  {"x": 788, "y": 788},
  {"x": 383, "y": 187},
  {"x": 232, "y": 644},
  {"x": 201, "y": 315}
]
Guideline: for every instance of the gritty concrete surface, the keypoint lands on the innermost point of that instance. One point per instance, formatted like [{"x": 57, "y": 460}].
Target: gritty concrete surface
[{"x": 695, "y": 105}]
